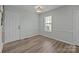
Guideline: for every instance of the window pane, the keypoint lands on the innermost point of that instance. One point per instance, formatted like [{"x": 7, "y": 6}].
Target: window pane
[
  {"x": 48, "y": 19},
  {"x": 48, "y": 27},
  {"x": 48, "y": 23}
]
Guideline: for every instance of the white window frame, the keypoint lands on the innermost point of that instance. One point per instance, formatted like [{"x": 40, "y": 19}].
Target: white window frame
[{"x": 48, "y": 23}]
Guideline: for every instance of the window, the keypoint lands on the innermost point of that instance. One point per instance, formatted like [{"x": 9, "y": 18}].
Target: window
[{"x": 48, "y": 23}]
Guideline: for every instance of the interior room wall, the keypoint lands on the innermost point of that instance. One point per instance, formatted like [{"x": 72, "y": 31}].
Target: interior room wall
[
  {"x": 76, "y": 24},
  {"x": 19, "y": 24},
  {"x": 64, "y": 27},
  {"x": 29, "y": 24},
  {"x": 62, "y": 24}
]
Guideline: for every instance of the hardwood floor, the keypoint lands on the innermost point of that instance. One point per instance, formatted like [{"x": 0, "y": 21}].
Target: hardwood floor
[{"x": 39, "y": 44}]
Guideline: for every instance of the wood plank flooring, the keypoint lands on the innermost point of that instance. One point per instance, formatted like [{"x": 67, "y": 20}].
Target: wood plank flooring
[{"x": 39, "y": 44}]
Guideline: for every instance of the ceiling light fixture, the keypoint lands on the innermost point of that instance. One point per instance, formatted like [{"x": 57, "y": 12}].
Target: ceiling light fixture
[{"x": 39, "y": 8}]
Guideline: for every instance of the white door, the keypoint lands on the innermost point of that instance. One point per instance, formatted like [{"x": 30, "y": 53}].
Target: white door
[{"x": 11, "y": 26}]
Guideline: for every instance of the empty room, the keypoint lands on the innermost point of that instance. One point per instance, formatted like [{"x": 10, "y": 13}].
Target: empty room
[{"x": 39, "y": 28}]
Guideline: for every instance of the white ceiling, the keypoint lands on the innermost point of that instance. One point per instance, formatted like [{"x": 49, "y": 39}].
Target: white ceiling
[{"x": 32, "y": 7}]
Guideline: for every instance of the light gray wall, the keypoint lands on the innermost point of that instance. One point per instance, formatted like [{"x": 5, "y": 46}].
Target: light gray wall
[
  {"x": 76, "y": 24},
  {"x": 29, "y": 24},
  {"x": 15, "y": 17},
  {"x": 62, "y": 26}
]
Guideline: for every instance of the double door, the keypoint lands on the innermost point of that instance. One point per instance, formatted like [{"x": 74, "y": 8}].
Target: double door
[{"x": 11, "y": 26}]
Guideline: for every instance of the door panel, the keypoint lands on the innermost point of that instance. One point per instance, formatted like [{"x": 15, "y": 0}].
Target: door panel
[{"x": 11, "y": 26}]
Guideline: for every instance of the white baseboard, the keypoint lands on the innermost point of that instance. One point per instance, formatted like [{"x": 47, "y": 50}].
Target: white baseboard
[
  {"x": 60, "y": 40},
  {"x": 48, "y": 37},
  {"x": 21, "y": 38},
  {"x": 29, "y": 36}
]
